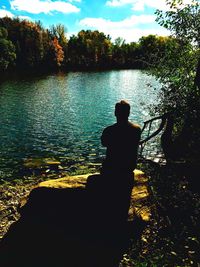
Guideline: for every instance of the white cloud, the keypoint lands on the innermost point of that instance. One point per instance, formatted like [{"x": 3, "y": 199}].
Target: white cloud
[
  {"x": 126, "y": 23},
  {"x": 119, "y": 2},
  {"x": 139, "y": 5},
  {"x": 47, "y": 6},
  {"x": 5, "y": 13},
  {"x": 25, "y": 18},
  {"x": 128, "y": 28}
]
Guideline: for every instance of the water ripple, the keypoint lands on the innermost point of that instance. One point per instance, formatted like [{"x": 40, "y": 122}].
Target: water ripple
[{"x": 63, "y": 116}]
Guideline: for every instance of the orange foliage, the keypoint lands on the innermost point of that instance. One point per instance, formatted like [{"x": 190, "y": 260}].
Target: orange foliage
[{"x": 58, "y": 52}]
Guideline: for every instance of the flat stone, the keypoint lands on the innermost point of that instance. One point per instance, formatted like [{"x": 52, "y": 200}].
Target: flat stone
[
  {"x": 139, "y": 196},
  {"x": 76, "y": 181}
]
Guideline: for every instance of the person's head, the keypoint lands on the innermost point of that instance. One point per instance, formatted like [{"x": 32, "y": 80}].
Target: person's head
[{"x": 122, "y": 110}]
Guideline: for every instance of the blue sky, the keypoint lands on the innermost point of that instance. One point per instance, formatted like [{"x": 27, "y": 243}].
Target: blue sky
[{"x": 129, "y": 19}]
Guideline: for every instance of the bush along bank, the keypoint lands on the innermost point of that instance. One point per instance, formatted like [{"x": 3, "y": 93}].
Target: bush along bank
[{"x": 172, "y": 237}]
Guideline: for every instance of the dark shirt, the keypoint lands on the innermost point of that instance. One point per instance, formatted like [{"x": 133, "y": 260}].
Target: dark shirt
[{"x": 122, "y": 142}]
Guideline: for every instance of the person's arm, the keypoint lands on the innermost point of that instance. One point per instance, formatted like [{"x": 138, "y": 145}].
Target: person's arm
[{"x": 104, "y": 138}]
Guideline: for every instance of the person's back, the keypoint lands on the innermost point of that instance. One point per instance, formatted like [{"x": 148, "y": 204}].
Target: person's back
[
  {"x": 121, "y": 140},
  {"x": 116, "y": 180}
]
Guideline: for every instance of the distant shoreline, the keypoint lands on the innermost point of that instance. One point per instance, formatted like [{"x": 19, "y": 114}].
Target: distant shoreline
[{"x": 20, "y": 73}]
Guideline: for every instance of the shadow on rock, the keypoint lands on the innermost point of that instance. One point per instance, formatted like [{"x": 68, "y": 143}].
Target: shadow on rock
[{"x": 68, "y": 227}]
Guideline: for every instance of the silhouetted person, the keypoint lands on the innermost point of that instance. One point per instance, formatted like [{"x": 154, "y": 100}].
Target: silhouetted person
[{"x": 121, "y": 140}]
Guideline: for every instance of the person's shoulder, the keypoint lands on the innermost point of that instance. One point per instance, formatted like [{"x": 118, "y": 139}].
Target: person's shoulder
[
  {"x": 109, "y": 128},
  {"x": 135, "y": 126}
]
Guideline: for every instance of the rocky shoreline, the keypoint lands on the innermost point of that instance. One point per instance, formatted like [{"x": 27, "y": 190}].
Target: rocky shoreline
[
  {"x": 14, "y": 194},
  {"x": 48, "y": 198},
  {"x": 11, "y": 197}
]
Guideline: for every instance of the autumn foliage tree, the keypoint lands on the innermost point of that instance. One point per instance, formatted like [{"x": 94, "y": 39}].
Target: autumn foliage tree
[
  {"x": 35, "y": 46},
  {"x": 56, "y": 54},
  {"x": 38, "y": 48}
]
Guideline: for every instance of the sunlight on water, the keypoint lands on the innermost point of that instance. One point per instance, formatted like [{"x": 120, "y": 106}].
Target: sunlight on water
[{"x": 62, "y": 116}]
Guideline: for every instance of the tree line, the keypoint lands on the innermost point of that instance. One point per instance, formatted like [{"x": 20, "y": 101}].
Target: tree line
[{"x": 28, "y": 45}]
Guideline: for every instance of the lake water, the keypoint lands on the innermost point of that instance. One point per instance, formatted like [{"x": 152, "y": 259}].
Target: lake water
[{"x": 62, "y": 116}]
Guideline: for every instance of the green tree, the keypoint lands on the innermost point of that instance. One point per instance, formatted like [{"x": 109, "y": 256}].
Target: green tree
[
  {"x": 32, "y": 45},
  {"x": 119, "y": 41},
  {"x": 119, "y": 52},
  {"x": 59, "y": 31},
  {"x": 178, "y": 71},
  {"x": 7, "y": 51},
  {"x": 27, "y": 38},
  {"x": 89, "y": 48},
  {"x": 152, "y": 49}
]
